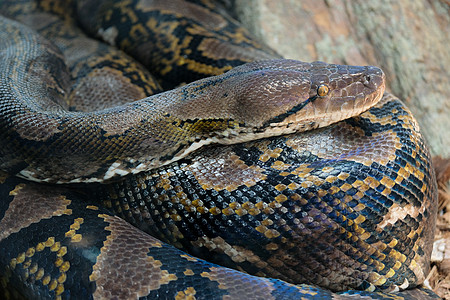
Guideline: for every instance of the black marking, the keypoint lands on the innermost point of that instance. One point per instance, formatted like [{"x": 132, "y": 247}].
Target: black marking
[{"x": 295, "y": 109}]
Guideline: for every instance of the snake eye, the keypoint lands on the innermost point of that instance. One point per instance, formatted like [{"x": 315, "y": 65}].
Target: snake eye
[{"x": 322, "y": 90}]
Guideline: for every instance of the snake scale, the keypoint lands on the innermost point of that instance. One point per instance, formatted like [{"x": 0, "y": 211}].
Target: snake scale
[{"x": 232, "y": 168}]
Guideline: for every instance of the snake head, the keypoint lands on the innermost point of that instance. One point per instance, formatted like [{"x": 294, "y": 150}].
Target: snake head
[
  {"x": 285, "y": 96},
  {"x": 276, "y": 97}
]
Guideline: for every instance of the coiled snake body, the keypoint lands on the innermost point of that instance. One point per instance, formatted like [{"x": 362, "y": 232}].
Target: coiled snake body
[{"x": 348, "y": 206}]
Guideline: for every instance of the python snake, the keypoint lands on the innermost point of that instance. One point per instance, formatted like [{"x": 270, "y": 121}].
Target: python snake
[{"x": 348, "y": 206}]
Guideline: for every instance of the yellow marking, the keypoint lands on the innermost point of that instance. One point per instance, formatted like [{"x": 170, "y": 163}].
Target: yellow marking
[
  {"x": 343, "y": 176},
  {"x": 55, "y": 247},
  {"x": 333, "y": 190},
  {"x": 70, "y": 233},
  {"x": 395, "y": 254},
  {"x": 240, "y": 212},
  {"x": 30, "y": 252},
  {"x": 359, "y": 230},
  {"x": 359, "y": 219},
  {"x": 271, "y": 233},
  {"x": 402, "y": 173},
  {"x": 331, "y": 179},
  {"x": 49, "y": 242},
  {"x": 393, "y": 243},
  {"x": 423, "y": 188},
  {"x": 306, "y": 184},
  {"x": 59, "y": 290},
  {"x": 412, "y": 235},
  {"x": 414, "y": 171},
  {"x": 264, "y": 157},
  {"x": 359, "y": 207},
  {"x": 187, "y": 257},
  {"x": 379, "y": 265},
  {"x": 372, "y": 182},
  {"x": 371, "y": 288},
  {"x": 74, "y": 237},
  {"x": 388, "y": 182},
  {"x": 274, "y": 204},
  {"x": 271, "y": 247},
  {"x": 62, "y": 278},
  {"x": 386, "y": 192},
  {"x": 46, "y": 279},
  {"x": 254, "y": 211},
  {"x": 261, "y": 205},
  {"x": 214, "y": 210},
  {"x": 397, "y": 265},
  {"x": 382, "y": 257},
  {"x": 234, "y": 205},
  {"x": 380, "y": 281},
  {"x": 293, "y": 186},
  {"x": 201, "y": 209},
  {"x": 40, "y": 247},
  {"x": 77, "y": 223},
  {"x": 279, "y": 165},
  {"x": 53, "y": 284},
  {"x": 20, "y": 258},
  {"x": 345, "y": 187},
  {"x": 40, "y": 273},
  {"x": 65, "y": 267},
  {"x": 26, "y": 264},
  {"x": 364, "y": 236},
  {"x": 16, "y": 190},
  {"x": 281, "y": 198},
  {"x": 360, "y": 185},
  {"x": 188, "y": 272},
  {"x": 261, "y": 228},
  {"x": 302, "y": 171},
  {"x": 297, "y": 197},
  {"x": 197, "y": 202},
  {"x": 33, "y": 269},
  {"x": 227, "y": 211},
  {"x": 177, "y": 217},
  {"x": 267, "y": 222},
  {"x": 187, "y": 294},
  {"x": 280, "y": 187},
  {"x": 247, "y": 205},
  {"x": 170, "y": 277},
  {"x": 358, "y": 195},
  {"x": 58, "y": 262}
]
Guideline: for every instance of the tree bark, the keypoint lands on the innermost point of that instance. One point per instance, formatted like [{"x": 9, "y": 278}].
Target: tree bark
[{"x": 408, "y": 39}]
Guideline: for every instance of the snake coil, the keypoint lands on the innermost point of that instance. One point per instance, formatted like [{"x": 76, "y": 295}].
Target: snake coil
[{"x": 303, "y": 172}]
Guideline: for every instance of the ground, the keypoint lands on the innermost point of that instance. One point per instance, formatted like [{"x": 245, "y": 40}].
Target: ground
[{"x": 439, "y": 277}]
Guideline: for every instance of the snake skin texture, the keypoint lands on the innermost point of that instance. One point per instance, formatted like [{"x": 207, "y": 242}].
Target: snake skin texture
[
  {"x": 251, "y": 101},
  {"x": 350, "y": 207}
]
